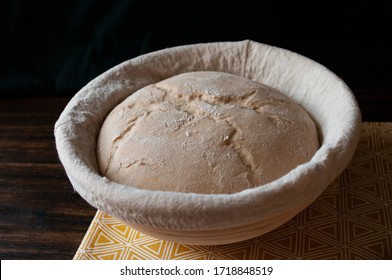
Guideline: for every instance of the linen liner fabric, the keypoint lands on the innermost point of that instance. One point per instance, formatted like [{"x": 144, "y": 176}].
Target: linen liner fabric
[{"x": 244, "y": 214}]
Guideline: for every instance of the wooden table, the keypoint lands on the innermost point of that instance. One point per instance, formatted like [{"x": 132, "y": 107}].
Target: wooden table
[{"x": 41, "y": 217}]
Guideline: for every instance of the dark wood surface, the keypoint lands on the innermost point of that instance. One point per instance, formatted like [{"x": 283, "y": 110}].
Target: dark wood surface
[{"x": 41, "y": 217}]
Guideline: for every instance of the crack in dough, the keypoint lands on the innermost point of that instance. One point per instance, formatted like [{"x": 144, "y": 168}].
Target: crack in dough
[{"x": 115, "y": 143}]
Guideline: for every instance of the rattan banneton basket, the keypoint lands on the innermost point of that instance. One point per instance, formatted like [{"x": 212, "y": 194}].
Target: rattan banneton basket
[{"x": 207, "y": 218}]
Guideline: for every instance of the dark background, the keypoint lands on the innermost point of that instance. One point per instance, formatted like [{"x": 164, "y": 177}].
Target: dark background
[{"x": 56, "y": 47}]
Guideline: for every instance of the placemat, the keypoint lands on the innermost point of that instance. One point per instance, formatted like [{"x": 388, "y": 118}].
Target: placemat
[{"x": 351, "y": 219}]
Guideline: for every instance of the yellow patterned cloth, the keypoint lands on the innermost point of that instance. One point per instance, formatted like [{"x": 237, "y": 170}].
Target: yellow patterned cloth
[{"x": 351, "y": 219}]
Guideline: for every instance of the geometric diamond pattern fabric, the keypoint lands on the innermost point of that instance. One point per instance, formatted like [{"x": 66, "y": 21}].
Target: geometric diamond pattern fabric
[{"x": 351, "y": 219}]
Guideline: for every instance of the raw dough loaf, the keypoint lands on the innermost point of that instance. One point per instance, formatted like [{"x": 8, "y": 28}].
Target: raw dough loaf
[{"x": 204, "y": 132}]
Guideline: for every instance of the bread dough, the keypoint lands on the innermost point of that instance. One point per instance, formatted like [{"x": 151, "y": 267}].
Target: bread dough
[{"x": 204, "y": 132}]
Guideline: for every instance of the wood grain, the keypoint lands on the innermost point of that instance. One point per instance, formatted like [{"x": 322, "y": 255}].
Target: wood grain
[{"x": 41, "y": 217}]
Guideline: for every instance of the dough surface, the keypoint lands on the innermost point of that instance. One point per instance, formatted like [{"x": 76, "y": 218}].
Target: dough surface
[{"x": 204, "y": 132}]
